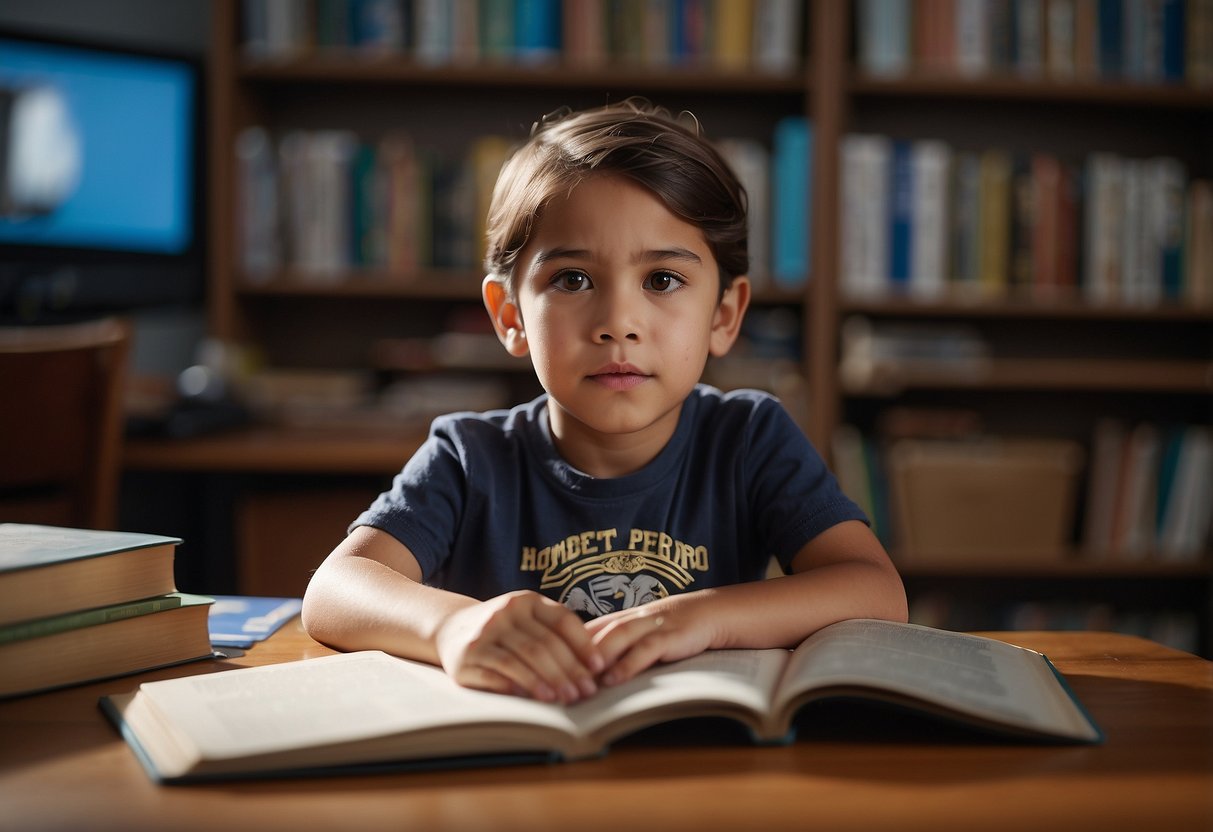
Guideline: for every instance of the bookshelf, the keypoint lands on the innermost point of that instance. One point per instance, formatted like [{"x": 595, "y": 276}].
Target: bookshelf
[{"x": 1055, "y": 364}]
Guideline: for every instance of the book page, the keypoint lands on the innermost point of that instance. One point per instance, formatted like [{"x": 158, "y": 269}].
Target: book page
[
  {"x": 971, "y": 675},
  {"x": 736, "y": 683},
  {"x": 333, "y": 699}
]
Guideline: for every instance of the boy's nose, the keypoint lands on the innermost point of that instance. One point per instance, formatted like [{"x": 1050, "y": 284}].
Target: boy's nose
[
  {"x": 616, "y": 322},
  {"x": 606, "y": 335}
]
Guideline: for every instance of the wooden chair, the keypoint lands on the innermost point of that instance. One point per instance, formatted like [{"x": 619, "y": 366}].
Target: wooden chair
[{"x": 61, "y": 422}]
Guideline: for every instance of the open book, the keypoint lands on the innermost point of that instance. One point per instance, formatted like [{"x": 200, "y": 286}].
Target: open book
[{"x": 369, "y": 708}]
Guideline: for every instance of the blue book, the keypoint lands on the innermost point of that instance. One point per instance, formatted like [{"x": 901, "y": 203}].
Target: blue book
[
  {"x": 242, "y": 621},
  {"x": 791, "y": 189},
  {"x": 901, "y": 214},
  {"x": 1173, "y": 57},
  {"x": 537, "y": 28},
  {"x": 1110, "y": 38}
]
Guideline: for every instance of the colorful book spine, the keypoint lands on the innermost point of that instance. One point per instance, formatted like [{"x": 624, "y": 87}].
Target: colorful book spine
[
  {"x": 793, "y": 148},
  {"x": 77, "y": 620},
  {"x": 901, "y": 217}
]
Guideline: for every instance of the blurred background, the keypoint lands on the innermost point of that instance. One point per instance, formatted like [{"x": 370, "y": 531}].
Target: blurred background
[{"x": 981, "y": 244}]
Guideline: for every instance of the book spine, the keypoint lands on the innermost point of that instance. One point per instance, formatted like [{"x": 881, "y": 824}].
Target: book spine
[
  {"x": 1059, "y": 27},
  {"x": 867, "y": 213},
  {"x": 751, "y": 162},
  {"x": 537, "y": 29},
  {"x": 1023, "y": 213},
  {"x": 257, "y": 220},
  {"x": 584, "y": 33},
  {"x": 792, "y": 149},
  {"x": 85, "y": 618},
  {"x": 994, "y": 223},
  {"x": 1046, "y": 180},
  {"x": 1103, "y": 231},
  {"x": 966, "y": 203},
  {"x": 901, "y": 216},
  {"x": 1110, "y": 39},
  {"x": 884, "y": 41},
  {"x": 777, "y": 32},
  {"x": 931, "y": 162}
]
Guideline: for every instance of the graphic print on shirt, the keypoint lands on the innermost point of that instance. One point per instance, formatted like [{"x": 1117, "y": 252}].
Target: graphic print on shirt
[{"x": 601, "y": 571}]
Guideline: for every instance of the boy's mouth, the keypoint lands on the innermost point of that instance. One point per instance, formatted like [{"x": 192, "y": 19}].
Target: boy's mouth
[{"x": 619, "y": 376}]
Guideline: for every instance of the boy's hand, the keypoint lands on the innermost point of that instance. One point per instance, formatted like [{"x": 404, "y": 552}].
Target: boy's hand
[
  {"x": 631, "y": 640},
  {"x": 521, "y": 643}
]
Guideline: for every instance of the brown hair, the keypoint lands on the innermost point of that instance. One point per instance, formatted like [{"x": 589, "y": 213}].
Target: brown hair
[{"x": 632, "y": 138}]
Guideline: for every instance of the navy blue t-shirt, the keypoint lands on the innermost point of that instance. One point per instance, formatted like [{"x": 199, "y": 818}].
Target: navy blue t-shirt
[{"x": 487, "y": 506}]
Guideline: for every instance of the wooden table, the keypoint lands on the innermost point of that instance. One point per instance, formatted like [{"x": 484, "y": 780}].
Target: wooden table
[{"x": 62, "y": 766}]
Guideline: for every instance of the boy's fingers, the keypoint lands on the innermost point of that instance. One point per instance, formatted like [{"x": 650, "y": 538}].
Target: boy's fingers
[
  {"x": 641, "y": 655},
  {"x": 483, "y": 678},
  {"x": 573, "y": 633},
  {"x": 549, "y": 657},
  {"x": 619, "y": 637},
  {"x": 497, "y": 670}
]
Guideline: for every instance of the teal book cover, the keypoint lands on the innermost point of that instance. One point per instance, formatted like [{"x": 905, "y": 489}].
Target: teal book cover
[{"x": 242, "y": 621}]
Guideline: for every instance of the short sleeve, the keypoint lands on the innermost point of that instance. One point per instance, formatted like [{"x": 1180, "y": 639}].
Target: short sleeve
[
  {"x": 793, "y": 496},
  {"x": 425, "y": 505}
]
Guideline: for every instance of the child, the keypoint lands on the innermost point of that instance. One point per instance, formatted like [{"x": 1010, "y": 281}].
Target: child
[{"x": 627, "y": 516}]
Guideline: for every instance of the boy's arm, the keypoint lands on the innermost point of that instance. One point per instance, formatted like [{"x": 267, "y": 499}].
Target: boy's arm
[
  {"x": 842, "y": 573},
  {"x": 368, "y": 595}
]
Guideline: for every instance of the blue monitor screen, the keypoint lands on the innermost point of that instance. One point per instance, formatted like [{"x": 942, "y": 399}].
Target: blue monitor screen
[{"x": 98, "y": 150}]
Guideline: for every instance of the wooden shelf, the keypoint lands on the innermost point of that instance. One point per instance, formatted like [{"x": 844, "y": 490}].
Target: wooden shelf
[
  {"x": 457, "y": 285},
  {"x": 1042, "y": 309},
  {"x": 1093, "y": 568},
  {"x": 351, "y": 68},
  {"x": 1045, "y": 374},
  {"x": 1006, "y": 88},
  {"x": 277, "y": 450}
]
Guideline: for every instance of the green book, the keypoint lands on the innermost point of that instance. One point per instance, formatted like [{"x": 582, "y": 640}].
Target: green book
[
  {"x": 86, "y": 618},
  {"x": 153, "y": 639}
]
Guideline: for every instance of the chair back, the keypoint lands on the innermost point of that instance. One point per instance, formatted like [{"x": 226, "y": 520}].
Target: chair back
[{"x": 61, "y": 390}]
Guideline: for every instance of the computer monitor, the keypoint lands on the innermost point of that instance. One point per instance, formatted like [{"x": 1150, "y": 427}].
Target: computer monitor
[{"x": 100, "y": 179}]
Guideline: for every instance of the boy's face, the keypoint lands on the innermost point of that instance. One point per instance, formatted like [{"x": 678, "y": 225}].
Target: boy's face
[{"x": 617, "y": 306}]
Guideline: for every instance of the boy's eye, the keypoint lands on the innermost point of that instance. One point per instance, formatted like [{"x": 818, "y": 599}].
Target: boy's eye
[
  {"x": 663, "y": 282},
  {"x": 572, "y": 281}
]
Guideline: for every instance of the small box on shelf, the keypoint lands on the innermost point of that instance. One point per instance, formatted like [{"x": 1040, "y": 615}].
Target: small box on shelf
[{"x": 988, "y": 499}]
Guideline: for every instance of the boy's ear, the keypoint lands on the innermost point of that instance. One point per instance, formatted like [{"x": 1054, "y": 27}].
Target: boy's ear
[
  {"x": 505, "y": 315},
  {"x": 726, "y": 323}
]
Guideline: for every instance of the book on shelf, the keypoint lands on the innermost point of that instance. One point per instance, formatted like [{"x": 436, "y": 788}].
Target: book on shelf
[
  {"x": 919, "y": 219},
  {"x": 778, "y": 33},
  {"x": 116, "y": 640},
  {"x": 930, "y": 173},
  {"x": 765, "y": 35},
  {"x": 1150, "y": 492},
  {"x": 1185, "y": 517},
  {"x": 1197, "y": 249},
  {"x": 328, "y": 205},
  {"x": 883, "y": 30},
  {"x": 369, "y": 709},
  {"x": 751, "y": 162},
  {"x": 791, "y": 186},
  {"x": 48, "y": 570},
  {"x": 994, "y": 227}
]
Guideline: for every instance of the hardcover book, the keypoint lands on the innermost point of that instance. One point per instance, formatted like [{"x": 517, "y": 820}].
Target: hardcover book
[
  {"x": 367, "y": 709},
  {"x": 48, "y": 570},
  {"x": 130, "y": 643}
]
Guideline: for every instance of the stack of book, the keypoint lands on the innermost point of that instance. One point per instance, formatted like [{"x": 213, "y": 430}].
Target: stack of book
[{"x": 80, "y": 605}]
